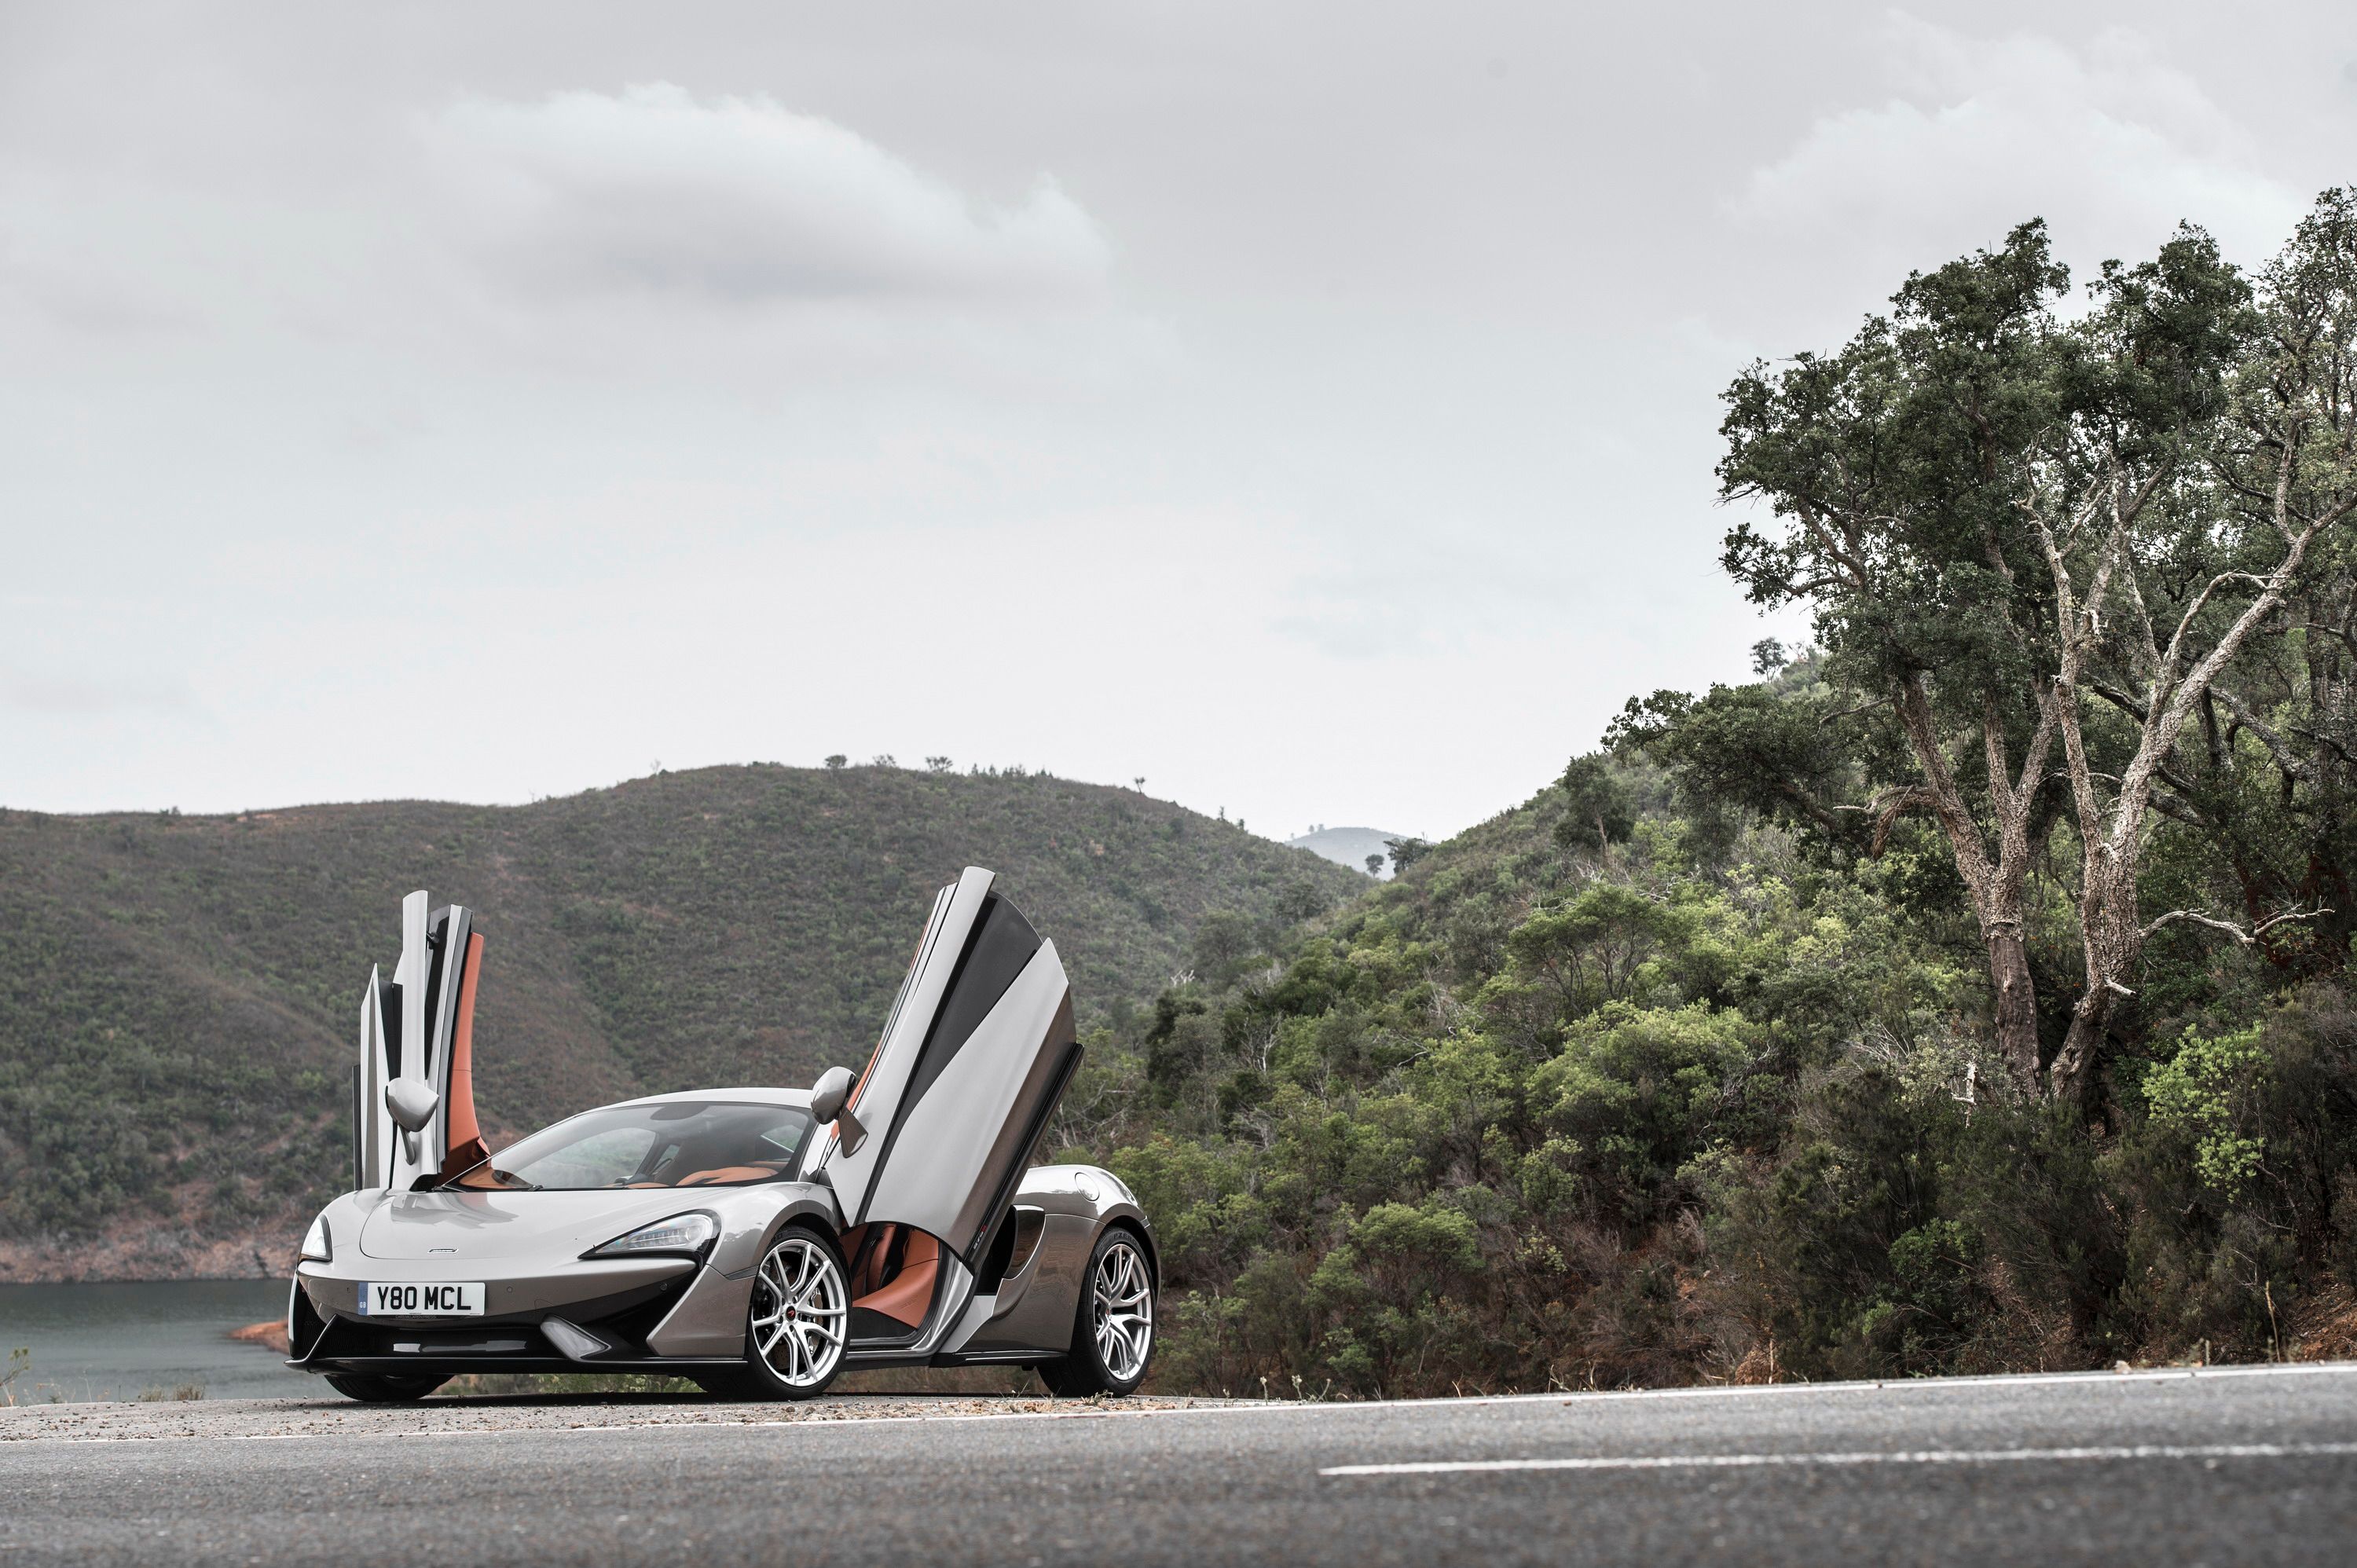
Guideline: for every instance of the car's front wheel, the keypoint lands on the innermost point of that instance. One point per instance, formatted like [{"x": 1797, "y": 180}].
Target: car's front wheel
[
  {"x": 795, "y": 1323},
  {"x": 1113, "y": 1334},
  {"x": 383, "y": 1391}
]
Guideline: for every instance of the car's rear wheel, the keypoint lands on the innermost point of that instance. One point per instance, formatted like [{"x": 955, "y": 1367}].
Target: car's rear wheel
[
  {"x": 1113, "y": 1334},
  {"x": 383, "y": 1391},
  {"x": 796, "y": 1323}
]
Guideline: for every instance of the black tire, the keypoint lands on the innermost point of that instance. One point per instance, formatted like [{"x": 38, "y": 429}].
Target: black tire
[
  {"x": 799, "y": 1259},
  {"x": 383, "y": 1390},
  {"x": 1109, "y": 1355}
]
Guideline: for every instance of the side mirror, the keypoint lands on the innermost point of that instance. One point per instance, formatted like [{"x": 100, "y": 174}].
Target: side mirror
[
  {"x": 412, "y": 1103},
  {"x": 827, "y": 1095}
]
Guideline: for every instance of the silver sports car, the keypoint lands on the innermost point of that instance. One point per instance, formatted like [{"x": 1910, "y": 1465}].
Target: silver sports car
[{"x": 756, "y": 1241}]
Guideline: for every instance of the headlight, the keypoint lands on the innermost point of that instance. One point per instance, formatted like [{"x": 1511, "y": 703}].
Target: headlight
[
  {"x": 316, "y": 1249},
  {"x": 686, "y": 1235}
]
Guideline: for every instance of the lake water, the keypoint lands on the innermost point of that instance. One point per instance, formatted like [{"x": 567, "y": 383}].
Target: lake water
[{"x": 114, "y": 1341}]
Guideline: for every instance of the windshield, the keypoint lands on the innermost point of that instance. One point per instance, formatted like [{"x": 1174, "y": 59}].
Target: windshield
[{"x": 678, "y": 1144}]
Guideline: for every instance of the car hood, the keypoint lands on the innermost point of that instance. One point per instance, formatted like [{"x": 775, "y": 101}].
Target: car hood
[{"x": 511, "y": 1226}]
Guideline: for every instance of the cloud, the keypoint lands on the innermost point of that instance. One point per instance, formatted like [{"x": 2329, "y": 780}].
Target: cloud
[
  {"x": 82, "y": 291},
  {"x": 2109, "y": 144},
  {"x": 740, "y": 201}
]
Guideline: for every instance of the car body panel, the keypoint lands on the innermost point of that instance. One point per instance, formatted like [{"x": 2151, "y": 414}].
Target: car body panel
[
  {"x": 851, "y": 1161},
  {"x": 708, "y": 1321},
  {"x": 958, "y": 1140},
  {"x": 407, "y": 1039},
  {"x": 417, "y": 1031},
  {"x": 549, "y": 1226},
  {"x": 371, "y": 1124},
  {"x": 976, "y": 1048},
  {"x": 948, "y": 1110},
  {"x": 1021, "y": 1317}
]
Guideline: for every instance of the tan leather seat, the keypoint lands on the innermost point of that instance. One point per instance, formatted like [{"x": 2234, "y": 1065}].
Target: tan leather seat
[
  {"x": 892, "y": 1270},
  {"x": 729, "y": 1172},
  {"x": 909, "y": 1292}
]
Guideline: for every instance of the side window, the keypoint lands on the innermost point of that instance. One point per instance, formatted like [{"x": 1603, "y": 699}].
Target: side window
[{"x": 783, "y": 1139}]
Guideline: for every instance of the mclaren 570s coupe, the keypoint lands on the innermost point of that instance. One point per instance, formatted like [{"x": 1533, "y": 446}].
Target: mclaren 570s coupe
[{"x": 756, "y": 1241}]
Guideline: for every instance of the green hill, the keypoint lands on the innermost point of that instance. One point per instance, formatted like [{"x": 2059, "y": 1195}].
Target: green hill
[{"x": 180, "y": 995}]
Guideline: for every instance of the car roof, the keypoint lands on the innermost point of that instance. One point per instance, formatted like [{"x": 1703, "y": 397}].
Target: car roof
[{"x": 798, "y": 1098}]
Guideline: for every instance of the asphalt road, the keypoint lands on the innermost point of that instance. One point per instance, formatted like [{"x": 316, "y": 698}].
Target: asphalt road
[{"x": 2226, "y": 1467}]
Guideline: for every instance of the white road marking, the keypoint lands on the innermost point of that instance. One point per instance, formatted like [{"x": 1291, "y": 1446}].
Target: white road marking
[
  {"x": 1934, "y": 1385},
  {"x": 1915, "y": 1456}
]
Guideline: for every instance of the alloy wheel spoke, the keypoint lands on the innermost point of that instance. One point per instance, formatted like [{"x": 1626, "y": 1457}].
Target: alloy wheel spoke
[
  {"x": 805, "y": 1316},
  {"x": 1124, "y": 1312}
]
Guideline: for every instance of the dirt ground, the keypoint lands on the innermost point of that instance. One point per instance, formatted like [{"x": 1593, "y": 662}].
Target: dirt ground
[{"x": 263, "y": 1420}]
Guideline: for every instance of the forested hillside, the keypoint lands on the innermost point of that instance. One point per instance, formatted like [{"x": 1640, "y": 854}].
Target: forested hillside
[
  {"x": 180, "y": 995},
  {"x": 1968, "y": 994},
  {"x": 1712, "y": 1100}
]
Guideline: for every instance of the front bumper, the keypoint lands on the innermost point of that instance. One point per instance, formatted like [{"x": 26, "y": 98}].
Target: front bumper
[{"x": 589, "y": 1314}]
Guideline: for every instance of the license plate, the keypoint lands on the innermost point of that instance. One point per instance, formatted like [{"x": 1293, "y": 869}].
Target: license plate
[{"x": 420, "y": 1301}]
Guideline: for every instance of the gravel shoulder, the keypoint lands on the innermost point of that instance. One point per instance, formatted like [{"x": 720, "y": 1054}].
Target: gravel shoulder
[{"x": 334, "y": 1416}]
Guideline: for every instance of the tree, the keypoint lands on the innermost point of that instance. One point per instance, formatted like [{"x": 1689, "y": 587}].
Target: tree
[
  {"x": 1374, "y": 865},
  {"x": 1598, "y": 809},
  {"x": 1794, "y": 755},
  {"x": 1405, "y": 851},
  {"x": 2248, "y": 467},
  {"x": 1995, "y": 514},
  {"x": 1298, "y": 901},
  {"x": 836, "y": 761},
  {"x": 1890, "y": 465}
]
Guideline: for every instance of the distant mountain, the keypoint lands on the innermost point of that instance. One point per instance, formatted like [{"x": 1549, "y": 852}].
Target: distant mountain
[
  {"x": 1349, "y": 846},
  {"x": 179, "y": 996}
]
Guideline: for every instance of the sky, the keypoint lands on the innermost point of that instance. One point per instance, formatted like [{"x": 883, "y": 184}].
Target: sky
[{"x": 1310, "y": 409}]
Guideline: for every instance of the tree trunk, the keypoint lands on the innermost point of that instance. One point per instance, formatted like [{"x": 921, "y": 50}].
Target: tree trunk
[
  {"x": 1995, "y": 886},
  {"x": 2072, "y": 1076},
  {"x": 2111, "y": 941},
  {"x": 2017, "y": 1003}
]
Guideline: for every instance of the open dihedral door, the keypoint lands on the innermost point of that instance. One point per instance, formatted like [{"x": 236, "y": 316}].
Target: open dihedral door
[
  {"x": 978, "y": 1048},
  {"x": 417, "y": 1051}
]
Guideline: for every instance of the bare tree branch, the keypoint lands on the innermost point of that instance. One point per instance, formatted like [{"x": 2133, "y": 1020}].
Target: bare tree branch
[
  {"x": 2284, "y": 758},
  {"x": 2246, "y": 936}
]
